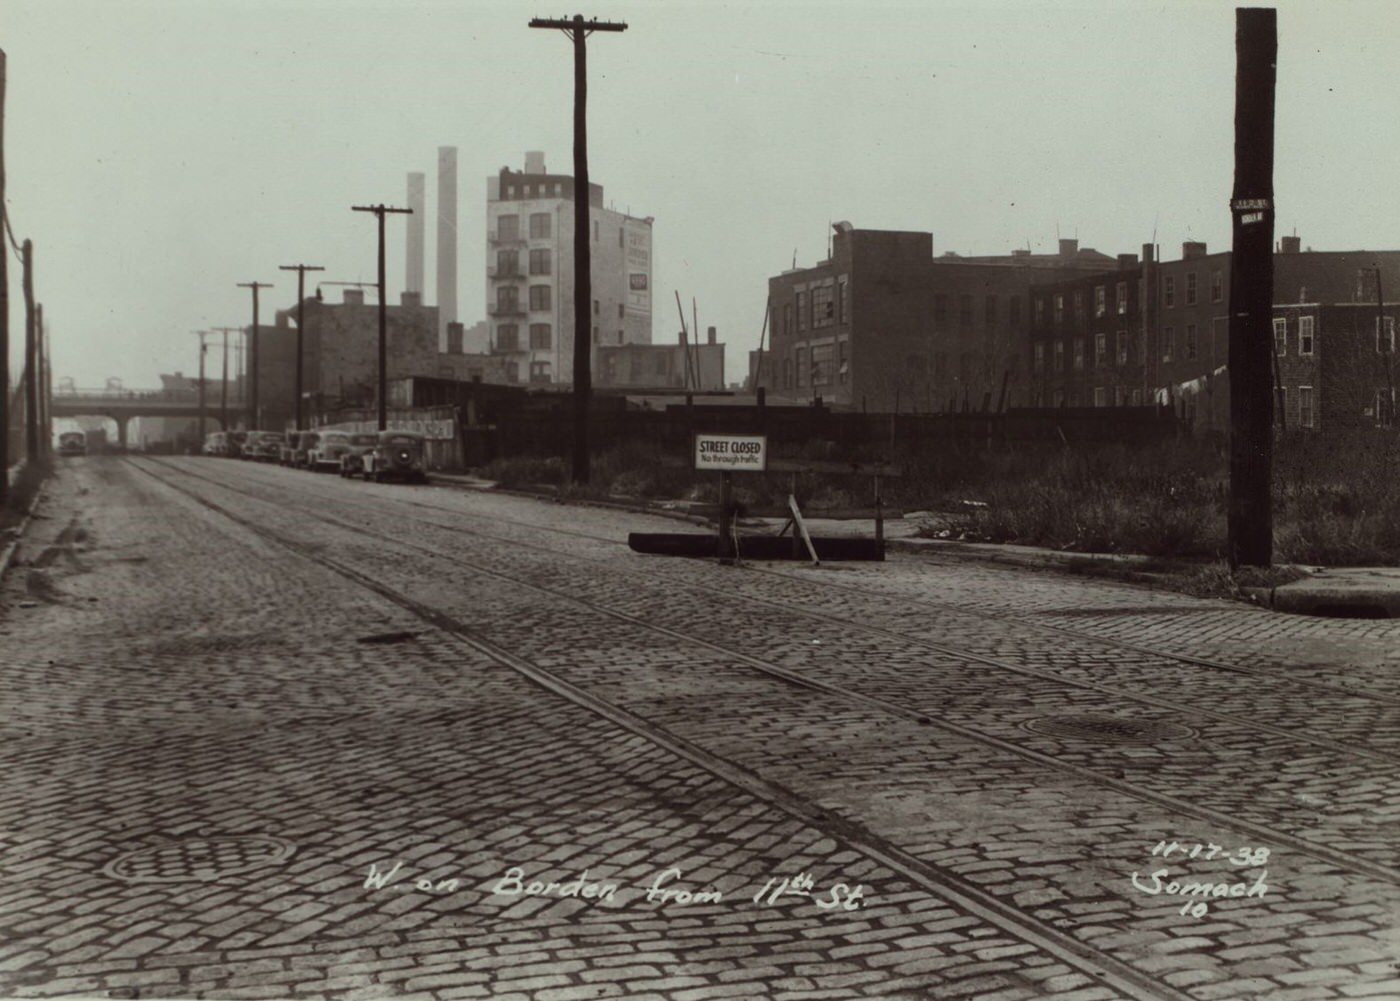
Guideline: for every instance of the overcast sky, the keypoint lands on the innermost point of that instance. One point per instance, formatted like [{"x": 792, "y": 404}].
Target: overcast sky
[{"x": 158, "y": 153}]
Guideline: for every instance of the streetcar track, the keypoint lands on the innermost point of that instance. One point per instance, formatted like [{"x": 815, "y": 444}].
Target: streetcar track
[
  {"x": 1331, "y": 744},
  {"x": 1341, "y": 859},
  {"x": 935, "y": 880}
]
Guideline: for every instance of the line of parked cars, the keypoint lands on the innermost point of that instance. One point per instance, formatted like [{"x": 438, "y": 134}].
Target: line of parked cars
[{"x": 378, "y": 456}]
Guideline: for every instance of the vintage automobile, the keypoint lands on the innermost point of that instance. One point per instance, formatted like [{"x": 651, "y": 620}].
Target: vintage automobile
[
  {"x": 326, "y": 451},
  {"x": 397, "y": 455},
  {"x": 301, "y": 454},
  {"x": 216, "y": 443},
  {"x": 286, "y": 451},
  {"x": 234, "y": 444},
  {"x": 72, "y": 443},
  {"x": 352, "y": 459},
  {"x": 263, "y": 446}
]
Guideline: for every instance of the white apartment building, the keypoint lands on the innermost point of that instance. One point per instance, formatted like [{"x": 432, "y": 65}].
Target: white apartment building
[{"x": 530, "y": 273}]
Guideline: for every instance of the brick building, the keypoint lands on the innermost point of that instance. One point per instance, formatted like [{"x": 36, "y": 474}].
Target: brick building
[
  {"x": 661, "y": 366},
  {"x": 885, "y": 325},
  {"x": 530, "y": 218},
  {"x": 1159, "y": 332}
]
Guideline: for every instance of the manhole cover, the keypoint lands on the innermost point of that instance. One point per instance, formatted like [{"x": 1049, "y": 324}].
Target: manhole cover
[
  {"x": 196, "y": 860},
  {"x": 1109, "y": 729}
]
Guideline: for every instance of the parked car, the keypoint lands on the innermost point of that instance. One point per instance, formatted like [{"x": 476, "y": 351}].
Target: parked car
[
  {"x": 352, "y": 459},
  {"x": 301, "y": 455},
  {"x": 216, "y": 443},
  {"x": 397, "y": 455},
  {"x": 234, "y": 443},
  {"x": 325, "y": 453},
  {"x": 264, "y": 446},
  {"x": 286, "y": 452},
  {"x": 72, "y": 443}
]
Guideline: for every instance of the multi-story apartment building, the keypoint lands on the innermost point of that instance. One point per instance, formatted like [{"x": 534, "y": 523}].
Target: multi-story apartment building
[
  {"x": 530, "y": 272},
  {"x": 1158, "y": 332},
  {"x": 885, "y": 325}
]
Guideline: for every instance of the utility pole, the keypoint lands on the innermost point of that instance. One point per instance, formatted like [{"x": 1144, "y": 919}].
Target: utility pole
[
  {"x": 380, "y": 211},
  {"x": 199, "y": 442},
  {"x": 301, "y": 270},
  {"x": 31, "y": 385},
  {"x": 253, "y": 415},
  {"x": 1251, "y": 537},
  {"x": 45, "y": 386},
  {"x": 578, "y": 30},
  {"x": 223, "y": 393}
]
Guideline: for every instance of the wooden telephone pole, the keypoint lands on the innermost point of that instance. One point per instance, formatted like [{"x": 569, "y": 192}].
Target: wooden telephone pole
[
  {"x": 578, "y": 31},
  {"x": 223, "y": 390},
  {"x": 301, "y": 270},
  {"x": 380, "y": 211},
  {"x": 1251, "y": 537},
  {"x": 253, "y": 415}
]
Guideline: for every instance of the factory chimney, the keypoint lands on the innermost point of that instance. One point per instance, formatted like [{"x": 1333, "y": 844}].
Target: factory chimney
[{"x": 417, "y": 201}]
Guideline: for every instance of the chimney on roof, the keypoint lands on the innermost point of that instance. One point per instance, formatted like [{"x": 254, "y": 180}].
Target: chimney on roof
[
  {"x": 1127, "y": 261},
  {"x": 710, "y": 333},
  {"x": 1290, "y": 245},
  {"x": 354, "y": 297},
  {"x": 1191, "y": 249},
  {"x": 534, "y": 162},
  {"x": 410, "y": 298},
  {"x": 1068, "y": 248},
  {"x": 1147, "y": 253},
  {"x": 1021, "y": 252},
  {"x": 417, "y": 201}
]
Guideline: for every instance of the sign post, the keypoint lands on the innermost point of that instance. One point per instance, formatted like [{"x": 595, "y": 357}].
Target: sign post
[{"x": 727, "y": 453}]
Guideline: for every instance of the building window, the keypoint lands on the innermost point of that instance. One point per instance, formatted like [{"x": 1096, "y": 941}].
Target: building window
[
  {"x": 541, "y": 338},
  {"x": 801, "y": 316},
  {"x": 1039, "y": 311},
  {"x": 507, "y": 299},
  {"x": 989, "y": 311},
  {"x": 621, "y": 237},
  {"x": 507, "y": 337},
  {"x": 802, "y": 371},
  {"x": 843, "y": 362},
  {"x": 1078, "y": 304},
  {"x": 621, "y": 311},
  {"x": 1385, "y": 408},
  {"x": 1385, "y": 335},
  {"x": 1305, "y": 335},
  {"x": 1014, "y": 309},
  {"x": 965, "y": 310},
  {"x": 1217, "y": 286},
  {"x": 1281, "y": 406},
  {"x": 823, "y": 306},
  {"x": 1168, "y": 291},
  {"x": 512, "y": 371},
  {"x": 507, "y": 262},
  {"x": 1168, "y": 343},
  {"x": 1038, "y": 361},
  {"x": 787, "y": 318},
  {"x": 541, "y": 225},
  {"x": 821, "y": 364},
  {"x": 1100, "y": 350},
  {"x": 1191, "y": 345},
  {"x": 539, "y": 262},
  {"x": 1100, "y": 396},
  {"x": 787, "y": 373},
  {"x": 1191, "y": 288},
  {"x": 1306, "y": 417},
  {"x": 539, "y": 371},
  {"x": 940, "y": 308},
  {"x": 1122, "y": 298},
  {"x": 1059, "y": 309},
  {"x": 1280, "y": 336},
  {"x": 539, "y": 297},
  {"x": 508, "y": 227},
  {"x": 1059, "y": 356},
  {"x": 1079, "y": 354},
  {"x": 843, "y": 296},
  {"x": 1100, "y": 300},
  {"x": 1122, "y": 347}
]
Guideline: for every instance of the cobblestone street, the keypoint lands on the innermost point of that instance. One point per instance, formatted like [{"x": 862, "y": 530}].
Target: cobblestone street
[{"x": 273, "y": 734}]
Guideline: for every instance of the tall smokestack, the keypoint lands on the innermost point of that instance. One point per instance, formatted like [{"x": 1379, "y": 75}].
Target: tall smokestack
[
  {"x": 417, "y": 201},
  {"x": 446, "y": 240}
]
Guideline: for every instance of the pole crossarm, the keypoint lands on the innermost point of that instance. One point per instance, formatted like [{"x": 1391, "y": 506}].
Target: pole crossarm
[{"x": 576, "y": 23}]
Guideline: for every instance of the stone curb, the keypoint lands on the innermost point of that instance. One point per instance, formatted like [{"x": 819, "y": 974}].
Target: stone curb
[{"x": 12, "y": 547}]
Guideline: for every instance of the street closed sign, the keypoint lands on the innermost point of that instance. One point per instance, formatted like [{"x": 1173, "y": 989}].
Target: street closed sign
[{"x": 745, "y": 453}]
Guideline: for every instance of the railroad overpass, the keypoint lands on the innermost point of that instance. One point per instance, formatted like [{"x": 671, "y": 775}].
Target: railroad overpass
[{"x": 121, "y": 405}]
